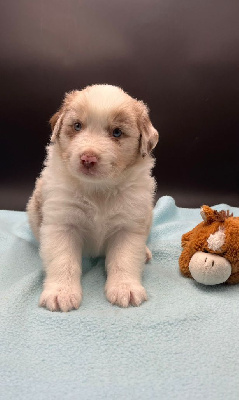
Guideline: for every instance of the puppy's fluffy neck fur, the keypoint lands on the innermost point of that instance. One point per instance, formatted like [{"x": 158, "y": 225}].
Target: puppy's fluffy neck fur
[{"x": 135, "y": 176}]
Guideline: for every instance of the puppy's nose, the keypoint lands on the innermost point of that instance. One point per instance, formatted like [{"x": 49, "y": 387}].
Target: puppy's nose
[{"x": 88, "y": 160}]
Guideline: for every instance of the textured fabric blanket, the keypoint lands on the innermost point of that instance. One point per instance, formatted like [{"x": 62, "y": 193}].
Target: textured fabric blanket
[{"x": 181, "y": 344}]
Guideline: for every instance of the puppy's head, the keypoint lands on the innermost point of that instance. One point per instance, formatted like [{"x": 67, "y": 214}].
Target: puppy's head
[{"x": 101, "y": 131}]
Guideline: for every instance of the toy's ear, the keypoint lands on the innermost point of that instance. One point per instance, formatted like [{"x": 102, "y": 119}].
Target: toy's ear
[
  {"x": 207, "y": 214},
  {"x": 148, "y": 134}
]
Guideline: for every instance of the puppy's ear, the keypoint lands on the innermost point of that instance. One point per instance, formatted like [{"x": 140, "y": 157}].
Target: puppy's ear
[
  {"x": 57, "y": 119},
  {"x": 54, "y": 119},
  {"x": 56, "y": 123},
  {"x": 148, "y": 134}
]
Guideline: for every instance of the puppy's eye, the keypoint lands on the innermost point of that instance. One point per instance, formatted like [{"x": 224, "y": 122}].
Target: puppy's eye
[
  {"x": 77, "y": 126},
  {"x": 117, "y": 132}
]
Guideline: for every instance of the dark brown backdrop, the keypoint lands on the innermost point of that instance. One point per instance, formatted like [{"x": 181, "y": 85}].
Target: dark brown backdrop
[{"x": 181, "y": 57}]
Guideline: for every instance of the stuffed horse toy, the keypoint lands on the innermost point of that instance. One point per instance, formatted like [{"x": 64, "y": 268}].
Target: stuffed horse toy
[{"x": 210, "y": 252}]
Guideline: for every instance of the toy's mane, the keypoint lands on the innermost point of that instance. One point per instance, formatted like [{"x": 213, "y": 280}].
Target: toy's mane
[{"x": 220, "y": 216}]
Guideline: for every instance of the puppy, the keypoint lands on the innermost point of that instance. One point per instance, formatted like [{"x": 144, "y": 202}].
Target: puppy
[{"x": 95, "y": 196}]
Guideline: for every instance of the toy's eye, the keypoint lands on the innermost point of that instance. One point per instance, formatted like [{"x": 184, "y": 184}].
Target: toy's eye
[
  {"x": 117, "y": 132},
  {"x": 77, "y": 126}
]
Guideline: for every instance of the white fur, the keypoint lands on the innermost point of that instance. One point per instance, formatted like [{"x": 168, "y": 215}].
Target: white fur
[
  {"x": 203, "y": 215},
  {"x": 216, "y": 240},
  {"x": 107, "y": 213}
]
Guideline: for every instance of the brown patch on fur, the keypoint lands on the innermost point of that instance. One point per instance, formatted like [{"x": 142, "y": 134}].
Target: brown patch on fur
[
  {"x": 56, "y": 135},
  {"x": 148, "y": 134},
  {"x": 214, "y": 215},
  {"x": 71, "y": 132},
  {"x": 66, "y": 103},
  {"x": 121, "y": 118},
  {"x": 222, "y": 215},
  {"x": 117, "y": 140},
  {"x": 53, "y": 120}
]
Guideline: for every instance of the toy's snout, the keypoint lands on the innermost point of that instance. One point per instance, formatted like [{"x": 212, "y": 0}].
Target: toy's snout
[{"x": 209, "y": 269}]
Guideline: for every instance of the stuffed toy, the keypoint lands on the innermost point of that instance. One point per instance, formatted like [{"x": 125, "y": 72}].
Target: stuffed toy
[{"x": 210, "y": 252}]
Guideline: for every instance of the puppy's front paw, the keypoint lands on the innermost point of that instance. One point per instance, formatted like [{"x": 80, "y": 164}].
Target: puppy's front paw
[
  {"x": 124, "y": 294},
  {"x": 61, "y": 298}
]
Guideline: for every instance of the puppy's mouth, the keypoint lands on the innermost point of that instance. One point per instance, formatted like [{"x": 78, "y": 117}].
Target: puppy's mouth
[{"x": 89, "y": 171}]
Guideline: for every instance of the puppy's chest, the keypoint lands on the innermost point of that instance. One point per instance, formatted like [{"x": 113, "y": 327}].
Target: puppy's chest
[
  {"x": 99, "y": 220},
  {"x": 103, "y": 218}
]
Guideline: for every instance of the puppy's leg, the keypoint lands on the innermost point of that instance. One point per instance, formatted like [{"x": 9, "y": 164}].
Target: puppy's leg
[
  {"x": 61, "y": 254},
  {"x": 125, "y": 257}
]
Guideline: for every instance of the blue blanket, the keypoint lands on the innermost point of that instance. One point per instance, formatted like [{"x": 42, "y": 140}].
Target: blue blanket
[{"x": 181, "y": 344}]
